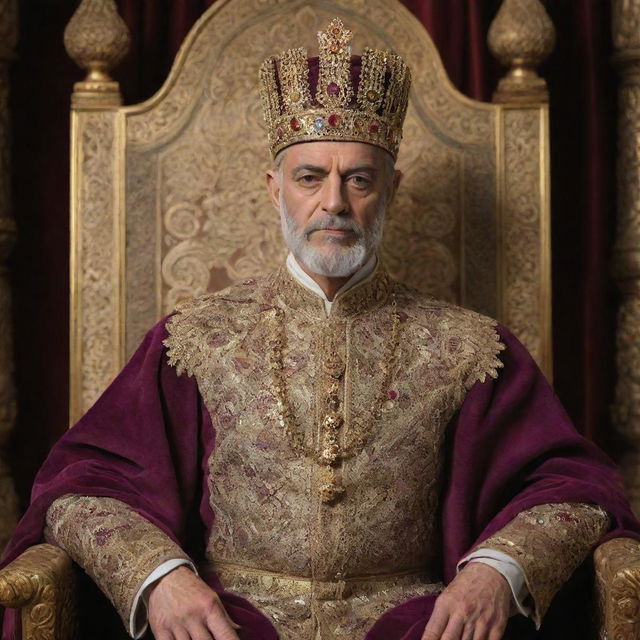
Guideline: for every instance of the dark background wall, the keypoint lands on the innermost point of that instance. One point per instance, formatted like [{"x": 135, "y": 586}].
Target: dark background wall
[{"x": 582, "y": 87}]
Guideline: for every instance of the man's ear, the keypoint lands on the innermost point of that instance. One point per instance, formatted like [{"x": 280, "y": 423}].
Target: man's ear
[
  {"x": 273, "y": 187},
  {"x": 395, "y": 183}
]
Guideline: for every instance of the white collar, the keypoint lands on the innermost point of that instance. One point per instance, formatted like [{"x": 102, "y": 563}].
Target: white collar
[{"x": 307, "y": 281}]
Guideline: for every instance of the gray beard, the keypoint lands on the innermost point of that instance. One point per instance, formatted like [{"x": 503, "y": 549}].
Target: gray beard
[{"x": 343, "y": 260}]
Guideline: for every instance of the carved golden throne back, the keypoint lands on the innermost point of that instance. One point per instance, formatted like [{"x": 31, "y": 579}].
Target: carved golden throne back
[{"x": 168, "y": 196}]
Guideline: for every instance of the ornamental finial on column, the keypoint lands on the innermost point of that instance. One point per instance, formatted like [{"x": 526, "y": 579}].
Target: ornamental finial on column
[
  {"x": 521, "y": 37},
  {"x": 97, "y": 39}
]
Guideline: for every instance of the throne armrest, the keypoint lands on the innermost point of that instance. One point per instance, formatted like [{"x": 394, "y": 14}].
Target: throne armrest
[
  {"x": 617, "y": 569},
  {"x": 41, "y": 582}
]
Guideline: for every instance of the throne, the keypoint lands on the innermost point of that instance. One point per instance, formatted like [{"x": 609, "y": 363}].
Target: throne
[{"x": 168, "y": 202}]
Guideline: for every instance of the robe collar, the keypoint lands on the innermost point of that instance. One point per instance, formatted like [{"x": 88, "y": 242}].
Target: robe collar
[{"x": 368, "y": 288}]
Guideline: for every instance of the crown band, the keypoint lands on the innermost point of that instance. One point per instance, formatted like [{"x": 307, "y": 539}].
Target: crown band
[{"x": 359, "y": 99}]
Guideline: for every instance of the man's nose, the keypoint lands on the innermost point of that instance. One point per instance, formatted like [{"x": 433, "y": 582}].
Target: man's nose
[{"x": 334, "y": 201}]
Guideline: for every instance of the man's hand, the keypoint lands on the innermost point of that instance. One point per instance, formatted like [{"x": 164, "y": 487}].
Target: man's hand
[
  {"x": 183, "y": 607},
  {"x": 475, "y": 606}
]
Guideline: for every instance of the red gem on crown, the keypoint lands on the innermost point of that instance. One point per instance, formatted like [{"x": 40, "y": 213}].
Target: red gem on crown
[
  {"x": 279, "y": 132},
  {"x": 333, "y": 120},
  {"x": 333, "y": 89},
  {"x": 373, "y": 127},
  {"x": 295, "y": 124}
]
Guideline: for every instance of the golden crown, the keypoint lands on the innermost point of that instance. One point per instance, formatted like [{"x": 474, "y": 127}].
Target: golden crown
[{"x": 306, "y": 99}]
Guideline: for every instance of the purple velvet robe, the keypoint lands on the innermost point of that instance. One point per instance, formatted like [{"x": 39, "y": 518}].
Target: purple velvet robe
[{"x": 147, "y": 439}]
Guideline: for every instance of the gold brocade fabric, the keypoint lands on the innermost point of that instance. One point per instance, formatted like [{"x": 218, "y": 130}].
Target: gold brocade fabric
[
  {"x": 115, "y": 545},
  {"x": 274, "y": 540},
  {"x": 549, "y": 542}
]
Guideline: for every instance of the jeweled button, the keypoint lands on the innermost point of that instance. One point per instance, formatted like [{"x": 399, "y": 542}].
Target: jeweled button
[
  {"x": 372, "y": 95},
  {"x": 318, "y": 124},
  {"x": 334, "y": 366},
  {"x": 333, "y": 89},
  {"x": 294, "y": 96}
]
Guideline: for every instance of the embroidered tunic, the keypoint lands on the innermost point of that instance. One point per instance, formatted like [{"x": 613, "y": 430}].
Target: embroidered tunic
[
  {"x": 378, "y": 543},
  {"x": 391, "y": 368}
]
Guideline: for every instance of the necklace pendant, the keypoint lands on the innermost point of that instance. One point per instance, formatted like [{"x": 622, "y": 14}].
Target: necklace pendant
[
  {"x": 330, "y": 491},
  {"x": 330, "y": 488}
]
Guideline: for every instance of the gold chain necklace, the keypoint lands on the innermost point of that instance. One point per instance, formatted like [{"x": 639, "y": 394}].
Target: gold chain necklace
[{"x": 331, "y": 452}]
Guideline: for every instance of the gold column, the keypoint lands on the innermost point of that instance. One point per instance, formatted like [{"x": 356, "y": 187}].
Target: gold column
[
  {"x": 8, "y": 503},
  {"x": 97, "y": 39},
  {"x": 521, "y": 37},
  {"x": 626, "y": 253}
]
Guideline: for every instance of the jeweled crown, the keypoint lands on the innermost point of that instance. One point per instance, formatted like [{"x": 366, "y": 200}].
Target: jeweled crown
[{"x": 335, "y": 96}]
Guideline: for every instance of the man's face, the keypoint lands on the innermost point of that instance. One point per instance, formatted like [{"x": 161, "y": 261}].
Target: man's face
[{"x": 332, "y": 198}]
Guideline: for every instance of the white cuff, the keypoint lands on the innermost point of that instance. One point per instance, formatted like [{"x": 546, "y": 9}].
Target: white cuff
[
  {"x": 139, "y": 619},
  {"x": 510, "y": 570}
]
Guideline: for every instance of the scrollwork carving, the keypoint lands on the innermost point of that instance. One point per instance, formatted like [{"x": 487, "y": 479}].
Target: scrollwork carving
[
  {"x": 97, "y": 287},
  {"x": 523, "y": 230},
  {"x": 617, "y": 567},
  {"x": 41, "y": 582}
]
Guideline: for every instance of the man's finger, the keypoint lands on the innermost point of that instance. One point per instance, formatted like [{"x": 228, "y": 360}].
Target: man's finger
[
  {"x": 180, "y": 634},
  {"x": 436, "y": 625},
  {"x": 479, "y": 631},
  {"x": 220, "y": 626},
  {"x": 454, "y": 629}
]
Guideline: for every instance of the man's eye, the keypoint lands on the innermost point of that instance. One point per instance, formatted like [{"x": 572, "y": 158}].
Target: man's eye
[
  {"x": 308, "y": 179},
  {"x": 360, "y": 181}
]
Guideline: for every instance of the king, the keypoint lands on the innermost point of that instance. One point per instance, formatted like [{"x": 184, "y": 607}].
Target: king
[{"x": 324, "y": 452}]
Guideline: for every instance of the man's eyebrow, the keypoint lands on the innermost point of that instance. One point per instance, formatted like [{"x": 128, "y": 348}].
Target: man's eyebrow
[
  {"x": 308, "y": 167},
  {"x": 370, "y": 168}
]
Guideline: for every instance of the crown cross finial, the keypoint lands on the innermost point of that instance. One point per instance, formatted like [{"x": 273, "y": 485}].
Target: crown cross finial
[
  {"x": 336, "y": 37},
  {"x": 334, "y": 86}
]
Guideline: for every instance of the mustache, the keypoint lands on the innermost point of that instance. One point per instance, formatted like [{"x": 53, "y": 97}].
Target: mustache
[{"x": 335, "y": 223}]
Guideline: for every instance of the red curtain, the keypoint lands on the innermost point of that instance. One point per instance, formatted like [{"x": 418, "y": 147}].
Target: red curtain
[{"x": 582, "y": 88}]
